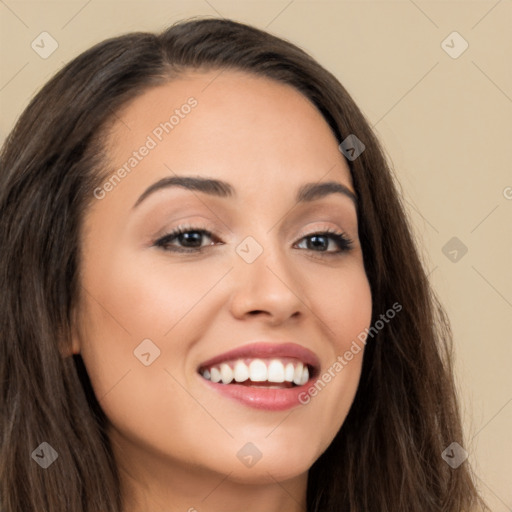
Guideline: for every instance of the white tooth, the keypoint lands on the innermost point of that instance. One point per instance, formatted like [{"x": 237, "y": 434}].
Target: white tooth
[
  {"x": 297, "y": 374},
  {"x": 241, "y": 372},
  {"x": 289, "y": 370},
  {"x": 258, "y": 371},
  {"x": 206, "y": 374},
  {"x": 275, "y": 371},
  {"x": 305, "y": 375},
  {"x": 215, "y": 375},
  {"x": 226, "y": 373}
]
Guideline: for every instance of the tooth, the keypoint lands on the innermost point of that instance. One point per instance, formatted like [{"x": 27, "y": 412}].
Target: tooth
[
  {"x": 206, "y": 374},
  {"x": 215, "y": 375},
  {"x": 297, "y": 375},
  {"x": 275, "y": 371},
  {"x": 241, "y": 372},
  {"x": 305, "y": 375},
  {"x": 226, "y": 373},
  {"x": 258, "y": 371},
  {"x": 288, "y": 372}
]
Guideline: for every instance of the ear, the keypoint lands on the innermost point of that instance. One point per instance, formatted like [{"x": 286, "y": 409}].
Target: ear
[
  {"x": 70, "y": 344},
  {"x": 69, "y": 347},
  {"x": 74, "y": 344}
]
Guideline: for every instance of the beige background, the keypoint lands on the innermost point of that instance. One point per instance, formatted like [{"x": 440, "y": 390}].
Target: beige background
[{"x": 445, "y": 123}]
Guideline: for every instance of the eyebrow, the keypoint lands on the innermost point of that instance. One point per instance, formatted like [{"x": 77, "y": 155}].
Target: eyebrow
[{"x": 306, "y": 193}]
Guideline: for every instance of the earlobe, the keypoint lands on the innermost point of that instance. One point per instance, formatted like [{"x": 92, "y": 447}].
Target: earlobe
[
  {"x": 69, "y": 347},
  {"x": 69, "y": 341},
  {"x": 75, "y": 345}
]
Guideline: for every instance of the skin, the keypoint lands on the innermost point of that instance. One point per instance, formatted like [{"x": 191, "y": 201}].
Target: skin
[{"x": 174, "y": 439}]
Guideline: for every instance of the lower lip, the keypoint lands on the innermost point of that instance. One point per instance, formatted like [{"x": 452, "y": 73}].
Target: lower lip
[{"x": 270, "y": 399}]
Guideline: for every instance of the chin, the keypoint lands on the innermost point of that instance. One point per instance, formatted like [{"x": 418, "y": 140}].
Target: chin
[{"x": 267, "y": 460}]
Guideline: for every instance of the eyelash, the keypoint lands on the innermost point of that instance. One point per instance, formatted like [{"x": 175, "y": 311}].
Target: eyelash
[{"x": 344, "y": 243}]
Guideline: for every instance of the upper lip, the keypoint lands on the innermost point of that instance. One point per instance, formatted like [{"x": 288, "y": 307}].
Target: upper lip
[{"x": 264, "y": 349}]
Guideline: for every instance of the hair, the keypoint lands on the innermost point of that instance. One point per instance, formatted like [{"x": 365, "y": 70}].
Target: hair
[{"x": 387, "y": 454}]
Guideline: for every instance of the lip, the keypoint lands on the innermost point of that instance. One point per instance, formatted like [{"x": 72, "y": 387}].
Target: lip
[
  {"x": 261, "y": 398},
  {"x": 269, "y": 399},
  {"x": 263, "y": 349}
]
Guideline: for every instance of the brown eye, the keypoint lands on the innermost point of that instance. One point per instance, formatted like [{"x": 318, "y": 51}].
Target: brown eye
[
  {"x": 320, "y": 242},
  {"x": 185, "y": 239}
]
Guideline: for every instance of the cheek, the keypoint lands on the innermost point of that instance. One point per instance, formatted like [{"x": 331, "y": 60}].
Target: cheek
[
  {"x": 137, "y": 298},
  {"x": 139, "y": 306},
  {"x": 128, "y": 303},
  {"x": 351, "y": 312},
  {"x": 344, "y": 308},
  {"x": 342, "y": 302}
]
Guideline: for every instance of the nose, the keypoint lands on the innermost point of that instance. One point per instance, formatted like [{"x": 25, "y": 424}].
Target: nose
[{"x": 267, "y": 288}]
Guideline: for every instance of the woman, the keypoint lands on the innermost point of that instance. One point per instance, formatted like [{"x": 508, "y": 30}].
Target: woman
[{"x": 296, "y": 361}]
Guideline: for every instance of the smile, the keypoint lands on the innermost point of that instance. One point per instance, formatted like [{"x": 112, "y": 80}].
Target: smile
[
  {"x": 262, "y": 375},
  {"x": 262, "y": 372}
]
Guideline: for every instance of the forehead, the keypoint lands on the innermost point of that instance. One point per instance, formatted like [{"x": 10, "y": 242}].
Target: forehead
[
  {"x": 246, "y": 128},
  {"x": 232, "y": 95}
]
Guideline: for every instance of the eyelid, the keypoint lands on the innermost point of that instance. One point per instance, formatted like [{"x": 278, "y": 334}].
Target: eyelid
[
  {"x": 186, "y": 227},
  {"x": 325, "y": 228},
  {"x": 342, "y": 240},
  {"x": 202, "y": 226},
  {"x": 193, "y": 225}
]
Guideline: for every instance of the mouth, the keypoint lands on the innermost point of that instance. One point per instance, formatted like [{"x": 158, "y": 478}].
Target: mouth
[
  {"x": 262, "y": 375},
  {"x": 270, "y": 373}
]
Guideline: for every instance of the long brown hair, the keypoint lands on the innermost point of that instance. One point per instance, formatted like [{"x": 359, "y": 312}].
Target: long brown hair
[{"x": 386, "y": 456}]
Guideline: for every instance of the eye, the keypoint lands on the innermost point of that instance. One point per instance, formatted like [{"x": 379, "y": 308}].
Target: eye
[
  {"x": 321, "y": 242},
  {"x": 189, "y": 237}
]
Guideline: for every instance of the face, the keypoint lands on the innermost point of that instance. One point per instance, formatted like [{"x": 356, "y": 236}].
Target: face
[{"x": 266, "y": 279}]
